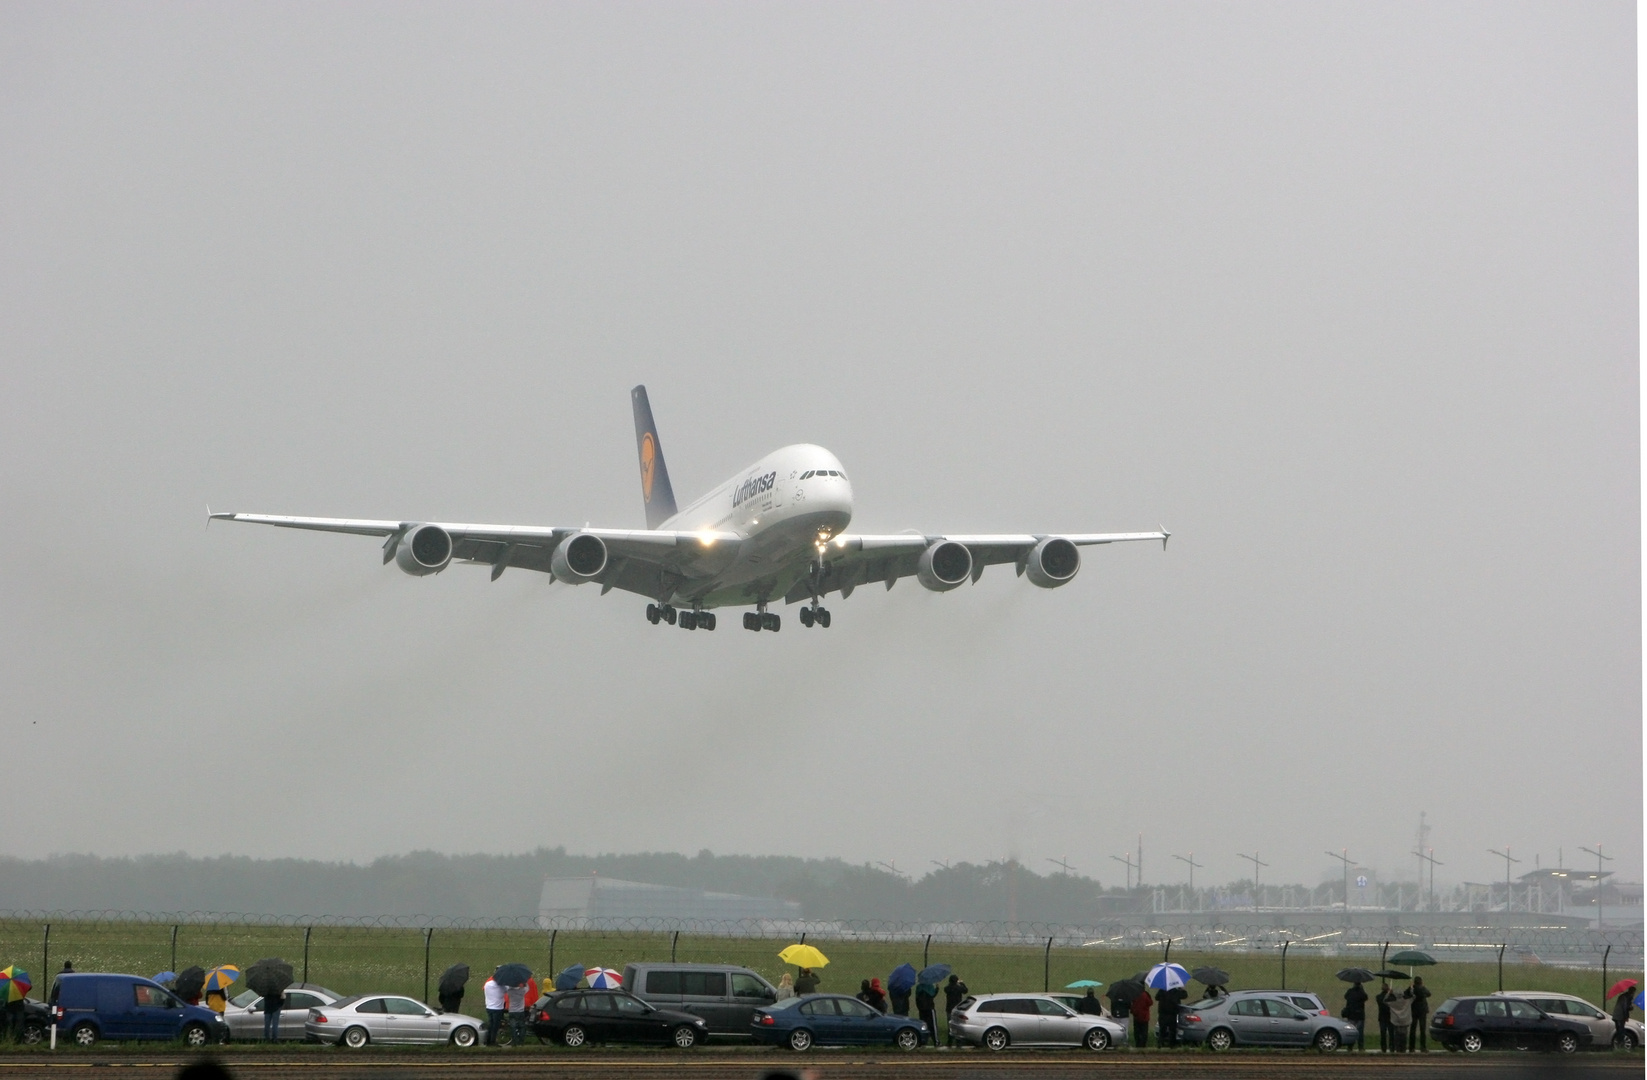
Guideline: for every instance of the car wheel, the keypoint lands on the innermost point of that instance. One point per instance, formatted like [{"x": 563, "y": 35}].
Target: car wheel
[
  {"x": 997, "y": 1039},
  {"x": 84, "y": 1035},
  {"x": 355, "y": 1038},
  {"x": 800, "y": 1040},
  {"x": 1471, "y": 1043},
  {"x": 684, "y": 1037},
  {"x": 34, "y": 1033},
  {"x": 574, "y": 1035},
  {"x": 1567, "y": 1043},
  {"x": 1220, "y": 1039},
  {"x": 907, "y": 1039},
  {"x": 1628, "y": 1041},
  {"x": 1327, "y": 1040},
  {"x": 464, "y": 1037},
  {"x": 195, "y": 1035},
  {"x": 1097, "y": 1039}
]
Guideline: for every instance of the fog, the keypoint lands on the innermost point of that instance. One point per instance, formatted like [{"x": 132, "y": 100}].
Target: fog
[{"x": 1342, "y": 295}]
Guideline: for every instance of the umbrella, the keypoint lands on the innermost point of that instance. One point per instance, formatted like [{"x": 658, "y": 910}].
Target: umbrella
[
  {"x": 512, "y": 975},
  {"x": 569, "y": 978},
  {"x": 269, "y": 976},
  {"x": 1166, "y": 977},
  {"x": 452, "y": 980},
  {"x": 165, "y": 978},
  {"x": 14, "y": 983},
  {"x": 902, "y": 979},
  {"x": 1412, "y": 958},
  {"x": 1356, "y": 975},
  {"x": 804, "y": 956},
  {"x": 1620, "y": 987},
  {"x": 603, "y": 979},
  {"x": 190, "y": 982},
  {"x": 935, "y": 974},
  {"x": 1391, "y": 975},
  {"x": 1211, "y": 976},
  {"x": 1082, "y": 984},
  {"x": 220, "y": 978},
  {"x": 1125, "y": 989}
]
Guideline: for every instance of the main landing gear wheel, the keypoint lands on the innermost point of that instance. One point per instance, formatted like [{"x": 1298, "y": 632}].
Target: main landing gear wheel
[
  {"x": 689, "y": 620},
  {"x": 815, "y": 615},
  {"x": 761, "y": 620},
  {"x": 656, "y": 613}
]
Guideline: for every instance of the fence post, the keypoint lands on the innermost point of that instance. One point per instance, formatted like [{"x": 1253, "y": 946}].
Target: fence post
[
  {"x": 552, "y": 971},
  {"x": 1284, "y": 946},
  {"x": 925, "y": 952},
  {"x": 174, "y": 947},
  {"x": 676, "y": 940},
  {"x": 803, "y": 937},
  {"x": 428, "y": 936},
  {"x": 1604, "y": 956},
  {"x": 1046, "y": 971},
  {"x": 1501, "y": 967},
  {"x": 307, "y": 930},
  {"x": 45, "y": 961}
]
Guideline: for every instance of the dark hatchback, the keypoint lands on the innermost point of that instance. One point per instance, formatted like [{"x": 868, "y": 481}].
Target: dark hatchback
[
  {"x": 575, "y": 1017},
  {"x": 1495, "y": 1023}
]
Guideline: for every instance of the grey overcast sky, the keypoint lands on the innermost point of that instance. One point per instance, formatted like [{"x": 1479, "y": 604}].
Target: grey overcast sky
[{"x": 1342, "y": 294}]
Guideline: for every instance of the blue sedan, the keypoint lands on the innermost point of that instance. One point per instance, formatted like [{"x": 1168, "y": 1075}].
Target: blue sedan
[{"x": 833, "y": 1020}]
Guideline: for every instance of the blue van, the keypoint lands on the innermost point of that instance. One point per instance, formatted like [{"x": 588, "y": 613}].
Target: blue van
[{"x": 90, "y": 1007}]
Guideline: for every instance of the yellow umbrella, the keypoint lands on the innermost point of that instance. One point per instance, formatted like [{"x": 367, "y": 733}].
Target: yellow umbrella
[
  {"x": 803, "y": 956},
  {"x": 221, "y": 978}
]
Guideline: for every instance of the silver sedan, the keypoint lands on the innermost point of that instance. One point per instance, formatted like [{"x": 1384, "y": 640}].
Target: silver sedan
[
  {"x": 244, "y": 1012},
  {"x": 384, "y": 1018},
  {"x": 997, "y": 1021}
]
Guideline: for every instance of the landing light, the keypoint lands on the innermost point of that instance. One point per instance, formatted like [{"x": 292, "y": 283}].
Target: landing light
[{"x": 706, "y": 539}]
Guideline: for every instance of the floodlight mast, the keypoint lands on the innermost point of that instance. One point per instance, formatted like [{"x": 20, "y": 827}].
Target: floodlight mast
[
  {"x": 1192, "y": 864},
  {"x": 1599, "y": 856},
  {"x": 1130, "y": 864},
  {"x": 1344, "y": 857},
  {"x": 1434, "y": 862},
  {"x": 1508, "y": 859},
  {"x": 1256, "y": 863}
]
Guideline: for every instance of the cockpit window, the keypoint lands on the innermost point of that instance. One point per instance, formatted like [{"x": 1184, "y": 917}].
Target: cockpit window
[{"x": 807, "y": 475}]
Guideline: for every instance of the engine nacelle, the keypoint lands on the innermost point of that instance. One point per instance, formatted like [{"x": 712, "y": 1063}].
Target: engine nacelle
[
  {"x": 1052, "y": 562},
  {"x": 944, "y": 565},
  {"x": 425, "y": 549},
  {"x": 578, "y": 559}
]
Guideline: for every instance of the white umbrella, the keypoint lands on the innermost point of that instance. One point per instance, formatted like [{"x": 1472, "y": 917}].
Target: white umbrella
[
  {"x": 1166, "y": 977},
  {"x": 603, "y": 978}
]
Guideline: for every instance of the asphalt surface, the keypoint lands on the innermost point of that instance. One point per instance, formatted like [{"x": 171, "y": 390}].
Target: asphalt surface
[{"x": 824, "y": 1065}]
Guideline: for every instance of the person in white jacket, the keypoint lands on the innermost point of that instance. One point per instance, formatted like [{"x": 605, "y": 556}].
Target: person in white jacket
[{"x": 494, "y": 1010}]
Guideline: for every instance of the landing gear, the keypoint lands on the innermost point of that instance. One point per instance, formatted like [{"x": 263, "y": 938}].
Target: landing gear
[
  {"x": 697, "y": 620},
  {"x": 815, "y": 615},
  {"x": 657, "y": 612},
  {"x": 761, "y": 620}
]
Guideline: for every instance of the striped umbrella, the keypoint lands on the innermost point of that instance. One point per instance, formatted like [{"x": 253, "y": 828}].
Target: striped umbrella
[
  {"x": 219, "y": 979},
  {"x": 603, "y": 979},
  {"x": 14, "y": 984},
  {"x": 1166, "y": 977}
]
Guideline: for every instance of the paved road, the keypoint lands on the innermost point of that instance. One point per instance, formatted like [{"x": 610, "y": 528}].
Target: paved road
[{"x": 828, "y": 1065}]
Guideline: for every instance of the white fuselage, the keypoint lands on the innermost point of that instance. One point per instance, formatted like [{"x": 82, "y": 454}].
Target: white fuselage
[{"x": 782, "y": 506}]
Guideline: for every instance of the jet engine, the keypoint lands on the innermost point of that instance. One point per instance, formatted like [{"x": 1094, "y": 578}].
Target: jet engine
[
  {"x": 1052, "y": 562},
  {"x": 578, "y": 559},
  {"x": 944, "y": 565},
  {"x": 424, "y": 549}
]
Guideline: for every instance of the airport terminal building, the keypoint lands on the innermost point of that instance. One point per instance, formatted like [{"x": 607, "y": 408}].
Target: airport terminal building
[{"x": 601, "y": 903}]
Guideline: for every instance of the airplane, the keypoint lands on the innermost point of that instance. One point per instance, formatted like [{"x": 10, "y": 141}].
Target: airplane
[{"x": 775, "y": 531}]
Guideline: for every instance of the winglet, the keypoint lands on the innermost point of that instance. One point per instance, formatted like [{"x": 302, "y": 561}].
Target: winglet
[
  {"x": 1165, "y": 536},
  {"x": 208, "y": 515}
]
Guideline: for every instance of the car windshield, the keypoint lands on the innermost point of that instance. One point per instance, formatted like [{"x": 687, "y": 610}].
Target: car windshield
[
  {"x": 245, "y": 999},
  {"x": 346, "y": 1002},
  {"x": 1446, "y": 1006}
]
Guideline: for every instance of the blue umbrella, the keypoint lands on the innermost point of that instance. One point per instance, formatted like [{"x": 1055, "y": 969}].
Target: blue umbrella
[
  {"x": 902, "y": 979},
  {"x": 512, "y": 974},
  {"x": 165, "y": 978},
  {"x": 569, "y": 978},
  {"x": 935, "y": 974},
  {"x": 1166, "y": 977}
]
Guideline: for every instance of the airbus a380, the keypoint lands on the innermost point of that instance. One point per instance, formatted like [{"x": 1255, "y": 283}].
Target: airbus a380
[{"x": 775, "y": 531}]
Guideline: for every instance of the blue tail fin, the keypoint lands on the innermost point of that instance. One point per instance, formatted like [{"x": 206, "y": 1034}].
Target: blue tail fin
[{"x": 655, "y": 489}]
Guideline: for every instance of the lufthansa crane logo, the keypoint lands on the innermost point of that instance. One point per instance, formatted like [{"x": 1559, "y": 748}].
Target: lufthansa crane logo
[{"x": 649, "y": 464}]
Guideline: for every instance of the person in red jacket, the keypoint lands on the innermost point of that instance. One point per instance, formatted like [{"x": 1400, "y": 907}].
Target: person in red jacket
[{"x": 1140, "y": 1019}]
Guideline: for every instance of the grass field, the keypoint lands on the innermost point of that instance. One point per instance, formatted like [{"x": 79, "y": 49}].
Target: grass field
[{"x": 353, "y": 959}]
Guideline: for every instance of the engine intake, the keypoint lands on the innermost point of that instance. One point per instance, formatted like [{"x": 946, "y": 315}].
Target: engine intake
[
  {"x": 944, "y": 565},
  {"x": 1052, "y": 562},
  {"x": 425, "y": 549},
  {"x": 578, "y": 559}
]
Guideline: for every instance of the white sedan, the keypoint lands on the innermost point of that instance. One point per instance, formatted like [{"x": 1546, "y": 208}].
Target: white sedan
[{"x": 384, "y": 1018}]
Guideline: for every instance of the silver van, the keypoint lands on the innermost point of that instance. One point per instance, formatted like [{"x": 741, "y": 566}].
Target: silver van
[{"x": 724, "y": 995}]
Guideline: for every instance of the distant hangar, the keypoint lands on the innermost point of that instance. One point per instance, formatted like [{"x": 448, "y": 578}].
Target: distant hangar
[{"x": 597, "y": 903}]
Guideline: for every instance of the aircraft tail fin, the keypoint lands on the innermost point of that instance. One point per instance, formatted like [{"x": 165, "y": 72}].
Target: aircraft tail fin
[{"x": 655, "y": 489}]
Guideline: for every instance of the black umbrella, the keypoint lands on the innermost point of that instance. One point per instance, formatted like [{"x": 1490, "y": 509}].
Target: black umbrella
[
  {"x": 270, "y": 976},
  {"x": 1211, "y": 976},
  {"x": 1356, "y": 975},
  {"x": 512, "y": 975},
  {"x": 1391, "y": 975},
  {"x": 1126, "y": 989},
  {"x": 453, "y": 978},
  {"x": 189, "y": 983}
]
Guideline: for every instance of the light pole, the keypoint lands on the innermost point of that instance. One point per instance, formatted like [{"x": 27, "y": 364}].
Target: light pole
[
  {"x": 1599, "y": 856},
  {"x": 1431, "y": 859},
  {"x": 1256, "y": 863},
  {"x": 1508, "y": 859},
  {"x": 1192, "y": 864},
  {"x": 1344, "y": 857},
  {"x": 1130, "y": 864},
  {"x": 1064, "y": 863}
]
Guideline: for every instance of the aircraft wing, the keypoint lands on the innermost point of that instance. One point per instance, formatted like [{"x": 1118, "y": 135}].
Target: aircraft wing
[
  {"x": 640, "y": 560},
  {"x": 858, "y": 559}
]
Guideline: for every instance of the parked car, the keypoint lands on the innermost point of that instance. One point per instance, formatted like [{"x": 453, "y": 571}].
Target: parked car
[
  {"x": 92, "y": 1006},
  {"x": 997, "y": 1021},
  {"x": 385, "y": 1018},
  {"x": 575, "y": 1017},
  {"x": 833, "y": 1020},
  {"x": 36, "y": 1021},
  {"x": 1073, "y": 1003},
  {"x": 244, "y": 1011},
  {"x": 1475, "y": 1024},
  {"x": 1602, "y": 1028},
  {"x": 724, "y": 996},
  {"x": 1262, "y": 1018}
]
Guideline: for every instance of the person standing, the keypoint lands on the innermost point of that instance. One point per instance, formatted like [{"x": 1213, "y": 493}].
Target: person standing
[
  {"x": 1621, "y": 1014},
  {"x": 806, "y": 983},
  {"x": 1139, "y": 1008},
  {"x": 514, "y": 998},
  {"x": 1401, "y": 1020},
  {"x": 863, "y": 993},
  {"x": 955, "y": 992},
  {"x": 1355, "y": 1011},
  {"x": 1120, "y": 1004},
  {"x": 16, "y": 1018},
  {"x": 900, "y": 1001},
  {"x": 493, "y": 995},
  {"x": 1167, "y": 1020},
  {"x": 272, "y": 1004},
  {"x": 1090, "y": 1005},
  {"x": 786, "y": 987},
  {"x": 453, "y": 1001},
  {"x": 926, "y": 1004},
  {"x": 1420, "y": 1036},
  {"x": 1383, "y": 1000}
]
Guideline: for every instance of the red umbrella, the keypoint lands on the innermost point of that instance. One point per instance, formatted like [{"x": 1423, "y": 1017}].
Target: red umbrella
[{"x": 1621, "y": 986}]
